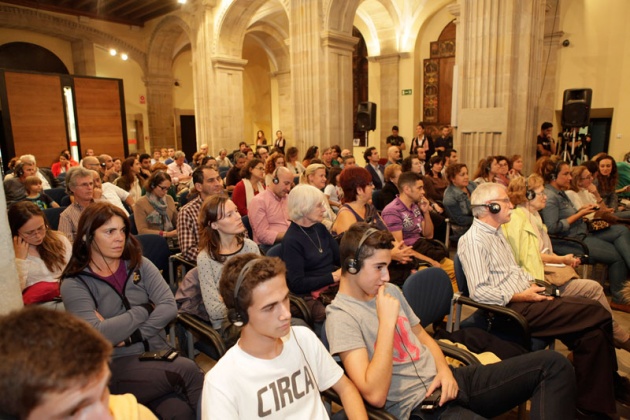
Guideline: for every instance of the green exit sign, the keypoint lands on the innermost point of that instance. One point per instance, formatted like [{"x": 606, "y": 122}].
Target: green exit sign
[{"x": 406, "y": 92}]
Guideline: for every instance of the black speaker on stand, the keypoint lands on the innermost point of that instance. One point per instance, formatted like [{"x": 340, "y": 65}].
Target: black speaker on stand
[
  {"x": 576, "y": 107},
  {"x": 366, "y": 116}
]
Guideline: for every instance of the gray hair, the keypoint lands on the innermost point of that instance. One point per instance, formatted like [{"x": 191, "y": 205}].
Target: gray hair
[
  {"x": 178, "y": 154},
  {"x": 28, "y": 159},
  {"x": 302, "y": 200},
  {"x": 239, "y": 155},
  {"x": 74, "y": 173},
  {"x": 482, "y": 194}
]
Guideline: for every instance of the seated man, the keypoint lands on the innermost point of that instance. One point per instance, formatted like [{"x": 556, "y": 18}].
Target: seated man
[
  {"x": 376, "y": 169},
  {"x": 395, "y": 363},
  {"x": 233, "y": 175},
  {"x": 111, "y": 193},
  {"x": 80, "y": 186},
  {"x": 268, "y": 212},
  {"x": 56, "y": 366},
  {"x": 393, "y": 156},
  {"x": 582, "y": 324},
  {"x": 408, "y": 218},
  {"x": 180, "y": 171},
  {"x": 274, "y": 371}
]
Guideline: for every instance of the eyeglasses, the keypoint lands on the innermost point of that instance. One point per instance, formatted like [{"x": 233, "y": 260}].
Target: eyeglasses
[
  {"x": 32, "y": 233},
  {"x": 587, "y": 177},
  {"x": 86, "y": 185},
  {"x": 260, "y": 168},
  {"x": 163, "y": 188}
]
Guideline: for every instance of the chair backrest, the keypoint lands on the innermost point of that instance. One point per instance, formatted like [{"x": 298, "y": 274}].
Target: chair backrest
[
  {"x": 52, "y": 216},
  {"x": 65, "y": 201},
  {"x": 429, "y": 294},
  {"x": 462, "y": 283},
  {"x": 377, "y": 200},
  {"x": 155, "y": 248},
  {"x": 274, "y": 251},
  {"x": 132, "y": 224},
  {"x": 223, "y": 171},
  {"x": 248, "y": 226},
  {"x": 56, "y": 194}
]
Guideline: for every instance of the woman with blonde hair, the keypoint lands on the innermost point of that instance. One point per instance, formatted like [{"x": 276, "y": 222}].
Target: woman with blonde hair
[{"x": 315, "y": 175}]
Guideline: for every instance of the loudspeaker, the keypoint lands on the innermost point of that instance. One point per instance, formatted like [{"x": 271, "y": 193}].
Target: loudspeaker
[
  {"x": 366, "y": 116},
  {"x": 576, "y": 107}
]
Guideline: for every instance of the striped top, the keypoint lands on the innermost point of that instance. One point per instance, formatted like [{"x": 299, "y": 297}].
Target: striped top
[{"x": 488, "y": 262}]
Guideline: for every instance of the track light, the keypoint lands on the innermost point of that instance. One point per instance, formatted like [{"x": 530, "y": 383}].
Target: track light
[{"x": 112, "y": 51}]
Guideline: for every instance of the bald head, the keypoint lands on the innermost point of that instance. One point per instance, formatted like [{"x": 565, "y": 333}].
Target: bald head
[{"x": 393, "y": 154}]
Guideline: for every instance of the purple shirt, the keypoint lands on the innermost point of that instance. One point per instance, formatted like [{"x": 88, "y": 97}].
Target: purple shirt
[
  {"x": 400, "y": 217},
  {"x": 268, "y": 215}
]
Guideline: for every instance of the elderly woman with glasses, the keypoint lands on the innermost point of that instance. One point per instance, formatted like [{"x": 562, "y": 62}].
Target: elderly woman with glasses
[
  {"x": 41, "y": 253},
  {"x": 533, "y": 251},
  {"x": 155, "y": 212}
]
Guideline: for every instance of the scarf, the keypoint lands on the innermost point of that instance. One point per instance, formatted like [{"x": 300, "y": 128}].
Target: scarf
[
  {"x": 159, "y": 216},
  {"x": 249, "y": 190}
]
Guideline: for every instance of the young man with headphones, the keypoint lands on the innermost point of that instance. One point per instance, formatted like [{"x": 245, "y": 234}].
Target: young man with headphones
[
  {"x": 582, "y": 324},
  {"x": 268, "y": 212},
  {"x": 394, "y": 362},
  {"x": 275, "y": 370}
]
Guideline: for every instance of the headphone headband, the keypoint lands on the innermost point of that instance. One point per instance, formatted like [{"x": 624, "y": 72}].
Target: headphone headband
[
  {"x": 236, "y": 315},
  {"x": 353, "y": 265}
]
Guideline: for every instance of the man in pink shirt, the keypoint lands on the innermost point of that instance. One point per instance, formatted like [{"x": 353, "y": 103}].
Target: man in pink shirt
[{"x": 268, "y": 213}]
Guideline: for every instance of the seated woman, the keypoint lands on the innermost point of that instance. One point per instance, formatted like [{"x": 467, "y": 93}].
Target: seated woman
[
  {"x": 311, "y": 153},
  {"x": 308, "y": 249},
  {"x": 390, "y": 188},
  {"x": 457, "y": 199},
  {"x": 62, "y": 166},
  {"x": 516, "y": 167},
  {"x": 412, "y": 163},
  {"x": 315, "y": 175},
  {"x": 109, "y": 284},
  {"x": 610, "y": 246},
  {"x": 155, "y": 212},
  {"x": 41, "y": 254},
  {"x": 253, "y": 175},
  {"x": 434, "y": 182},
  {"x": 606, "y": 182},
  {"x": 129, "y": 179},
  {"x": 292, "y": 162},
  {"x": 333, "y": 191},
  {"x": 502, "y": 175},
  {"x": 487, "y": 170},
  {"x": 221, "y": 236},
  {"x": 273, "y": 161},
  {"x": 533, "y": 251}
]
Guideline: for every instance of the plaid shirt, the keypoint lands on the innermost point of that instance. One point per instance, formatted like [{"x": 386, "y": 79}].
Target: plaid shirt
[
  {"x": 188, "y": 229},
  {"x": 69, "y": 220}
]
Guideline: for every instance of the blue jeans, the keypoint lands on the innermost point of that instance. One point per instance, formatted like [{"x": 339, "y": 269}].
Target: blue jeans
[{"x": 545, "y": 377}]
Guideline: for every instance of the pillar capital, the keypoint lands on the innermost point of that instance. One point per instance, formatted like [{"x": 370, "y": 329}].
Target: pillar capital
[
  {"x": 224, "y": 62},
  {"x": 338, "y": 40}
]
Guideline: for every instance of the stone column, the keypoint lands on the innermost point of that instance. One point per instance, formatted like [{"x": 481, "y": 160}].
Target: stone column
[
  {"x": 160, "y": 110},
  {"x": 499, "y": 44},
  {"x": 386, "y": 97},
  {"x": 10, "y": 293},
  {"x": 228, "y": 116},
  {"x": 338, "y": 110},
  {"x": 83, "y": 58}
]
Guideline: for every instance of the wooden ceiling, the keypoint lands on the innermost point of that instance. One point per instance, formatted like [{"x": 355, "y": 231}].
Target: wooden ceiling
[{"x": 128, "y": 12}]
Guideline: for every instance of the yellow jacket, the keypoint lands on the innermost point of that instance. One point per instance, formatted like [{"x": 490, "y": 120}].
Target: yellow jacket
[{"x": 521, "y": 235}]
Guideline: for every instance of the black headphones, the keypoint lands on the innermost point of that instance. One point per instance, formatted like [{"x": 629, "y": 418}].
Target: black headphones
[
  {"x": 529, "y": 194},
  {"x": 19, "y": 170},
  {"x": 275, "y": 179},
  {"x": 353, "y": 265},
  {"x": 493, "y": 208},
  {"x": 556, "y": 169},
  {"x": 236, "y": 315}
]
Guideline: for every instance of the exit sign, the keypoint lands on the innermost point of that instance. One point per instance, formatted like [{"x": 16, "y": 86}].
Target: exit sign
[{"x": 406, "y": 92}]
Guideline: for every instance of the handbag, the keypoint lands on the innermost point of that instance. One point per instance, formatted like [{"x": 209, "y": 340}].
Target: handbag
[
  {"x": 559, "y": 275},
  {"x": 596, "y": 225}
]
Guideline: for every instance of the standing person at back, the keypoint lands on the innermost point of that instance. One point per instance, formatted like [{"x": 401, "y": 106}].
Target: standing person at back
[{"x": 395, "y": 140}]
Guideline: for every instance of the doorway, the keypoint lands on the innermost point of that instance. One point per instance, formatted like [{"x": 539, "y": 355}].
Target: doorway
[{"x": 189, "y": 135}]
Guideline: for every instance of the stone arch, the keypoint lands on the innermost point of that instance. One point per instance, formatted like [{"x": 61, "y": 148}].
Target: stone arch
[
  {"x": 66, "y": 29},
  {"x": 234, "y": 22},
  {"x": 273, "y": 43},
  {"x": 163, "y": 42},
  {"x": 30, "y": 57}
]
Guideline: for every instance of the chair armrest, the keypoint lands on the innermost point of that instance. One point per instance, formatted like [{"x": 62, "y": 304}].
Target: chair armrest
[
  {"x": 300, "y": 305},
  {"x": 205, "y": 331},
  {"x": 458, "y": 298},
  {"x": 457, "y": 353},
  {"x": 579, "y": 242},
  {"x": 373, "y": 412},
  {"x": 177, "y": 258}
]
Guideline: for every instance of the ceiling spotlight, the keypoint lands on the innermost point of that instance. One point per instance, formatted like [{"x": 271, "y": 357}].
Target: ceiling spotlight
[
  {"x": 113, "y": 51},
  {"x": 181, "y": 1},
  {"x": 124, "y": 56}
]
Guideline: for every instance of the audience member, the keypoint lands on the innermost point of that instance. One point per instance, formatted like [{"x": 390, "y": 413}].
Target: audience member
[
  {"x": 434, "y": 182},
  {"x": 332, "y": 191},
  {"x": 262, "y": 153},
  {"x": 457, "y": 199},
  {"x": 606, "y": 182},
  {"x": 170, "y": 157},
  {"x": 311, "y": 153},
  {"x": 308, "y": 249},
  {"x": 336, "y": 153},
  {"x": 487, "y": 170},
  {"x": 270, "y": 351},
  {"x": 250, "y": 185},
  {"x": 268, "y": 213},
  {"x": 274, "y": 161},
  {"x": 48, "y": 179},
  {"x": 180, "y": 171},
  {"x": 348, "y": 161},
  {"x": 111, "y": 193},
  {"x": 582, "y": 324},
  {"x": 91, "y": 163},
  {"x": 545, "y": 144},
  {"x": 80, "y": 187},
  {"x": 221, "y": 237},
  {"x": 206, "y": 182},
  {"x": 118, "y": 164},
  {"x": 327, "y": 157},
  {"x": 35, "y": 194},
  {"x": 502, "y": 174},
  {"x": 394, "y": 362},
  {"x": 292, "y": 162},
  {"x": 444, "y": 141},
  {"x": 516, "y": 167},
  {"x": 55, "y": 366},
  {"x": 132, "y": 315},
  {"x": 395, "y": 140},
  {"x": 129, "y": 179},
  {"x": 14, "y": 188},
  {"x": 415, "y": 163},
  {"x": 393, "y": 156},
  {"x": 233, "y": 176},
  {"x": 155, "y": 212},
  {"x": 373, "y": 166},
  {"x": 280, "y": 142},
  {"x": 315, "y": 175},
  {"x": 62, "y": 165},
  {"x": 390, "y": 189},
  {"x": 107, "y": 170},
  {"x": 223, "y": 160},
  {"x": 422, "y": 140},
  {"x": 261, "y": 140},
  {"x": 450, "y": 158},
  {"x": 41, "y": 254}
]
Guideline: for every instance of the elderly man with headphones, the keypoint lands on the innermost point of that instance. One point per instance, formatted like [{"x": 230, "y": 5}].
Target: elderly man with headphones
[
  {"x": 14, "y": 187},
  {"x": 582, "y": 324},
  {"x": 275, "y": 370}
]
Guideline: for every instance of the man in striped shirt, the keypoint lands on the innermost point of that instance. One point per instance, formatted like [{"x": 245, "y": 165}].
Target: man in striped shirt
[{"x": 582, "y": 324}]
